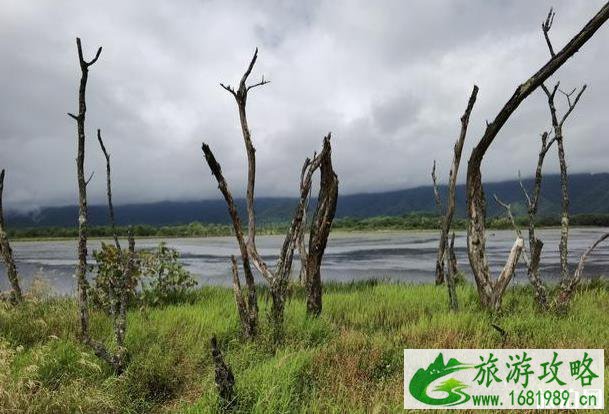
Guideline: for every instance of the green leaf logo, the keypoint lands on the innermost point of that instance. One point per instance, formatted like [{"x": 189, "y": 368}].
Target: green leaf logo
[{"x": 453, "y": 388}]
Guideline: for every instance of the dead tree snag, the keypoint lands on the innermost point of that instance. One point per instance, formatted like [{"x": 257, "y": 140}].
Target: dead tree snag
[
  {"x": 320, "y": 228},
  {"x": 7, "y": 253},
  {"x": 248, "y": 309},
  {"x": 277, "y": 278},
  {"x": 445, "y": 250},
  {"x": 224, "y": 378},
  {"x": 115, "y": 360},
  {"x": 488, "y": 288},
  {"x": 441, "y": 213}
]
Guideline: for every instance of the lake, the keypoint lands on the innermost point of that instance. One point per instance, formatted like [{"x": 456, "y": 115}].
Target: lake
[{"x": 395, "y": 256}]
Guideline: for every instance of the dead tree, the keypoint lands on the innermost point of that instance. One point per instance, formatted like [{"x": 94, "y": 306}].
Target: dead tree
[
  {"x": 533, "y": 257},
  {"x": 247, "y": 309},
  {"x": 567, "y": 281},
  {"x": 441, "y": 213},
  {"x": 491, "y": 290},
  {"x": 568, "y": 287},
  {"x": 451, "y": 275},
  {"x": 320, "y": 227},
  {"x": 115, "y": 360},
  {"x": 557, "y": 126},
  {"x": 445, "y": 250},
  {"x": 277, "y": 278},
  {"x": 118, "y": 289},
  {"x": 7, "y": 253},
  {"x": 224, "y": 378}
]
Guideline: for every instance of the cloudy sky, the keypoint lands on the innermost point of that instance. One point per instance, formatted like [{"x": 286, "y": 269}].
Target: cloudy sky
[{"x": 388, "y": 78}]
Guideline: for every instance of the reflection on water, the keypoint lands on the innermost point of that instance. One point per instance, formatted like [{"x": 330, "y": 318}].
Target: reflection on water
[{"x": 396, "y": 256}]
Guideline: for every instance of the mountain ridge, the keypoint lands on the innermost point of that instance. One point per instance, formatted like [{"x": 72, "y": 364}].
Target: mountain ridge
[{"x": 589, "y": 194}]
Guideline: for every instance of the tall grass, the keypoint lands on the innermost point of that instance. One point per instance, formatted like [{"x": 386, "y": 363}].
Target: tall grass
[{"x": 348, "y": 360}]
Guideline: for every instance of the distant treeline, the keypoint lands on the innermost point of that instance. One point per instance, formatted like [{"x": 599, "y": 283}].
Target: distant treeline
[{"x": 406, "y": 222}]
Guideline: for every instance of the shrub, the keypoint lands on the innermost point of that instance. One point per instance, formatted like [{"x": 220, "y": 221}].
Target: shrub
[
  {"x": 167, "y": 281},
  {"x": 110, "y": 269}
]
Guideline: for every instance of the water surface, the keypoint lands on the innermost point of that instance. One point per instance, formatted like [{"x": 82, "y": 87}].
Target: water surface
[{"x": 395, "y": 256}]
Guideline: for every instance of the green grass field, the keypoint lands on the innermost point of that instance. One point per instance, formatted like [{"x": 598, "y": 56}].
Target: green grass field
[{"x": 348, "y": 360}]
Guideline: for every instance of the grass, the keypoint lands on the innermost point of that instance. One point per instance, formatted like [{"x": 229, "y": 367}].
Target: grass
[{"x": 348, "y": 360}]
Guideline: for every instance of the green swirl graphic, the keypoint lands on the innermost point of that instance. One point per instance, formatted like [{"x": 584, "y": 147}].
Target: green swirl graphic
[{"x": 423, "y": 378}]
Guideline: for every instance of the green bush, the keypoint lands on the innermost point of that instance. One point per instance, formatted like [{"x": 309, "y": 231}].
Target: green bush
[
  {"x": 161, "y": 278},
  {"x": 110, "y": 269},
  {"x": 166, "y": 279}
]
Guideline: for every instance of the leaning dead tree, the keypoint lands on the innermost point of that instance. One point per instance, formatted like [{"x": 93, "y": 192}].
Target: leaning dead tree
[
  {"x": 491, "y": 290},
  {"x": 321, "y": 225},
  {"x": 445, "y": 250},
  {"x": 247, "y": 303},
  {"x": 7, "y": 253},
  {"x": 277, "y": 278},
  {"x": 115, "y": 360}
]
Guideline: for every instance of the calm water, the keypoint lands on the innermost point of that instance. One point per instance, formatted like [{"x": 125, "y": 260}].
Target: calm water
[{"x": 399, "y": 256}]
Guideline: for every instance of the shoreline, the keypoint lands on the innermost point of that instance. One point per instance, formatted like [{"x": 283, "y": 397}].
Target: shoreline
[{"x": 338, "y": 232}]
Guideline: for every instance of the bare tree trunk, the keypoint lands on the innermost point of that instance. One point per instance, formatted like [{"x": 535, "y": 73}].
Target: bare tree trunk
[
  {"x": 320, "y": 229},
  {"x": 446, "y": 252},
  {"x": 452, "y": 258},
  {"x": 225, "y": 380},
  {"x": 536, "y": 245},
  {"x": 476, "y": 208},
  {"x": 7, "y": 253},
  {"x": 557, "y": 125},
  {"x": 568, "y": 289},
  {"x": 118, "y": 288},
  {"x": 109, "y": 193},
  {"x": 81, "y": 270},
  {"x": 277, "y": 278},
  {"x": 452, "y": 183},
  {"x": 441, "y": 220},
  {"x": 248, "y": 310},
  {"x": 451, "y": 274}
]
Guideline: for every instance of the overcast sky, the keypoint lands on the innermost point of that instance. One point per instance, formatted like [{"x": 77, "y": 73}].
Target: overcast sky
[{"x": 390, "y": 79}]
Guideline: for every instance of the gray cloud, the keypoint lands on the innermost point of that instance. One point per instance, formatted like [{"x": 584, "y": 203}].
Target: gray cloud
[{"x": 389, "y": 79}]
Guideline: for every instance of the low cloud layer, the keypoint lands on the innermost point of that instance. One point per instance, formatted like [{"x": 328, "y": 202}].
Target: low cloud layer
[{"x": 389, "y": 79}]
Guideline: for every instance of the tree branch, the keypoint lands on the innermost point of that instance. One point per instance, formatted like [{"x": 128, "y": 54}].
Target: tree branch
[{"x": 545, "y": 27}]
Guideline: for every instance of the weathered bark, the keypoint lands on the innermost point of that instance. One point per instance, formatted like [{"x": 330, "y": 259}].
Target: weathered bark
[
  {"x": 7, "y": 253},
  {"x": 452, "y": 182},
  {"x": 111, "y": 216},
  {"x": 451, "y": 267},
  {"x": 81, "y": 269},
  {"x": 249, "y": 308},
  {"x": 557, "y": 126},
  {"x": 442, "y": 245},
  {"x": 476, "y": 208},
  {"x": 568, "y": 289},
  {"x": 452, "y": 257},
  {"x": 536, "y": 245},
  {"x": 277, "y": 278},
  {"x": 224, "y": 378},
  {"x": 115, "y": 360},
  {"x": 320, "y": 229},
  {"x": 118, "y": 289}
]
